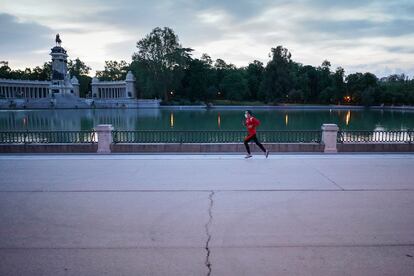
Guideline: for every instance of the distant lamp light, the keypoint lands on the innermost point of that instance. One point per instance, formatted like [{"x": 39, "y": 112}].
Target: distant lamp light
[
  {"x": 347, "y": 99},
  {"x": 172, "y": 93},
  {"x": 219, "y": 93},
  {"x": 286, "y": 119}
]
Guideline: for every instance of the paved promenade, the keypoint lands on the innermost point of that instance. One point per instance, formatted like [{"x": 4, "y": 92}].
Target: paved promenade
[{"x": 206, "y": 215}]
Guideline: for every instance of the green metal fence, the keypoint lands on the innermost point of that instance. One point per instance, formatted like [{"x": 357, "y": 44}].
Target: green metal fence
[
  {"x": 200, "y": 136},
  {"x": 376, "y": 136},
  {"x": 213, "y": 136},
  {"x": 46, "y": 137}
]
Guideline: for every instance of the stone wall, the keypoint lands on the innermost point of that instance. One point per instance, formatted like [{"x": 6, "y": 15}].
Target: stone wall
[
  {"x": 204, "y": 148},
  {"x": 48, "y": 148}
]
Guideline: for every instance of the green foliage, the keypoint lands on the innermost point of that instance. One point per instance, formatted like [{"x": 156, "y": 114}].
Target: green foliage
[
  {"x": 277, "y": 77},
  {"x": 113, "y": 71},
  {"x": 38, "y": 73},
  {"x": 163, "y": 59},
  {"x": 234, "y": 86},
  {"x": 254, "y": 77},
  {"x": 78, "y": 68},
  {"x": 196, "y": 80}
]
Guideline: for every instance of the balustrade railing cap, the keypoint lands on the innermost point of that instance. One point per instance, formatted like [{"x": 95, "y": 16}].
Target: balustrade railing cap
[
  {"x": 104, "y": 128},
  {"x": 332, "y": 127}
]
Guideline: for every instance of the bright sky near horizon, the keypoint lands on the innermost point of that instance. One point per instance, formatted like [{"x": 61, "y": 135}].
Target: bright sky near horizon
[{"x": 368, "y": 35}]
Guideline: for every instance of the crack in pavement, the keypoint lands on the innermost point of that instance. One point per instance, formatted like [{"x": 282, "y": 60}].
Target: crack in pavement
[
  {"x": 326, "y": 177},
  {"x": 207, "y": 229}
]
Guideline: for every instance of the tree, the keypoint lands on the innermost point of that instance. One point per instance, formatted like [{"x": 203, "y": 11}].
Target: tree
[
  {"x": 254, "y": 77},
  {"x": 277, "y": 77},
  {"x": 308, "y": 83},
  {"x": 357, "y": 83},
  {"x": 206, "y": 59},
  {"x": 80, "y": 70},
  {"x": 161, "y": 54},
  {"x": 77, "y": 67},
  {"x": 339, "y": 85},
  {"x": 196, "y": 80},
  {"x": 4, "y": 70},
  {"x": 234, "y": 86},
  {"x": 114, "y": 71},
  {"x": 42, "y": 73}
]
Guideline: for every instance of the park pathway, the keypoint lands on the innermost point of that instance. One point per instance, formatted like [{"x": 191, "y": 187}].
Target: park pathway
[{"x": 207, "y": 214}]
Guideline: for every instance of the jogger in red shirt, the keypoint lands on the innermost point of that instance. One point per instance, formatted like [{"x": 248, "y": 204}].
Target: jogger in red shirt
[{"x": 251, "y": 123}]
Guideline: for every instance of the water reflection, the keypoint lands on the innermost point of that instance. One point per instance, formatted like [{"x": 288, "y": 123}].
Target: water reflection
[
  {"x": 348, "y": 117},
  {"x": 172, "y": 120},
  {"x": 159, "y": 119},
  {"x": 219, "y": 120}
]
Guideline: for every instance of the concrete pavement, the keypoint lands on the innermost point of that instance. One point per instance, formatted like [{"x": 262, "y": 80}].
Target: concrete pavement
[{"x": 184, "y": 214}]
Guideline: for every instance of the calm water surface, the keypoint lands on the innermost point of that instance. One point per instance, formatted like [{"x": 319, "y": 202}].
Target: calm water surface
[{"x": 135, "y": 119}]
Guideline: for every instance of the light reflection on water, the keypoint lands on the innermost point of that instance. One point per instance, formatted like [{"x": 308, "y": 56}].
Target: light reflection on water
[
  {"x": 348, "y": 117},
  {"x": 135, "y": 119},
  {"x": 172, "y": 120}
]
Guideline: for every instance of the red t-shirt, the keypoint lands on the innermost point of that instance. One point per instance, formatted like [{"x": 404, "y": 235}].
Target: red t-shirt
[{"x": 251, "y": 124}]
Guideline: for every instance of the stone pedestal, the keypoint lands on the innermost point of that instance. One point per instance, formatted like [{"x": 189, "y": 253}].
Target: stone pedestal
[
  {"x": 329, "y": 135},
  {"x": 104, "y": 138}
]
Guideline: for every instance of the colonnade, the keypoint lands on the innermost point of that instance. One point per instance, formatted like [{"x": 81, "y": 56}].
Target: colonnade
[
  {"x": 111, "y": 92},
  {"x": 10, "y": 91}
]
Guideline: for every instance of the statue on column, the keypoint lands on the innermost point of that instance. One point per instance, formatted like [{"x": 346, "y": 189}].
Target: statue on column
[{"x": 58, "y": 40}]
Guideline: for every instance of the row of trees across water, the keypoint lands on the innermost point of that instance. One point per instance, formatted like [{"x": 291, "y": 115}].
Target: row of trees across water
[{"x": 165, "y": 69}]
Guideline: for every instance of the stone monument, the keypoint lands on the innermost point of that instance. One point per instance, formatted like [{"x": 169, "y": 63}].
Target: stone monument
[{"x": 61, "y": 83}]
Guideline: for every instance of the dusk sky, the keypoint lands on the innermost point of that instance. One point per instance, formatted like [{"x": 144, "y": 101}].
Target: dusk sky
[{"x": 359, "y": 35}]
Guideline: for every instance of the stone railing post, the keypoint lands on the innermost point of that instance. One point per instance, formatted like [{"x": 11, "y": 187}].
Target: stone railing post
[
  {"x": 329, "y": 135},
  {"x": 104, "y": 138}
]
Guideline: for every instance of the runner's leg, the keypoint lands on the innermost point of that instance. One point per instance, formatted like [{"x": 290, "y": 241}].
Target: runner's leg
[
  {"x": 246, "y": 144},
  {"x": 254, "y": 138}
]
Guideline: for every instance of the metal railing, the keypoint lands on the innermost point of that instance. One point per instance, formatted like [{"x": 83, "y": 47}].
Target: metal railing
[
  {"x": 214, "y": 136},
  {"x": 375, "y": 136},
  {"x": 47, "y": 137},
  {"x": 208, "y": 136}
]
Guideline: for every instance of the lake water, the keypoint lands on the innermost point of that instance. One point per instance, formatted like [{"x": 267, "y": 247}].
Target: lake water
[{"x": 164, "y": 119}]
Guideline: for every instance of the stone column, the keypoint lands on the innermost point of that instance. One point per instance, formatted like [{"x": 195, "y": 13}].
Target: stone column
[
  {"x": 104, "y": 138},
  {"x": 329, "y": 136}
]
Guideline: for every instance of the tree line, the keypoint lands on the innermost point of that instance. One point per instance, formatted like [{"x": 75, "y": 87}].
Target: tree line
[{"x": 166, "y": 70}]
